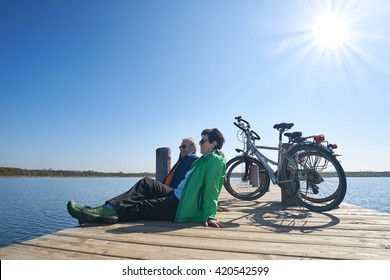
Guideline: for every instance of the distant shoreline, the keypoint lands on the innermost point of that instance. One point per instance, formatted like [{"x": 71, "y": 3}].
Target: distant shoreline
[
  {"x": 367, "y": 174},
  {"x": 90, "y": 177},
  {"x": 19, "y": 173}
]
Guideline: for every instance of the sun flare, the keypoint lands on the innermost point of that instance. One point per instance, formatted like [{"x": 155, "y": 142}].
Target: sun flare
[
  {"x": 341, "y": 39},
  {"x": 330, "y": 30}
]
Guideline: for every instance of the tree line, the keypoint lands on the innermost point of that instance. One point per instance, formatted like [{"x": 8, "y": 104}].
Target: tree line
[
  {"x": 368, "y": 174},
  {"x": 18, "y": 172}
]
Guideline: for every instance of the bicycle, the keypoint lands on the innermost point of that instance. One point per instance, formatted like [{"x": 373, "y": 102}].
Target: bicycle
[{"x": 306, "y": 168}]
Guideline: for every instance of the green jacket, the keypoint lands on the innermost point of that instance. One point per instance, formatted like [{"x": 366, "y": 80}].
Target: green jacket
[{"x": 199, "y": 199}]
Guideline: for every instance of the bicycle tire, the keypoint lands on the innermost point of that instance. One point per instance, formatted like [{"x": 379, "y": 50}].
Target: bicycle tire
[
  {"x": 319, "y": 179},
  {"x": 246, "y": 178}
]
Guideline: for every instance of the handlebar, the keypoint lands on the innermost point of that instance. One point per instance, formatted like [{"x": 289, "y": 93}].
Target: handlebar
[
  {"x": 240, "y": 120},
  {"x": 255, "y": 136},
  {"x": 245, "y": 126}
]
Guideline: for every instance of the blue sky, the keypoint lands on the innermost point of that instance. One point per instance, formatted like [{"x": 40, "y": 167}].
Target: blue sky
[{"x": 100, "y": 85}]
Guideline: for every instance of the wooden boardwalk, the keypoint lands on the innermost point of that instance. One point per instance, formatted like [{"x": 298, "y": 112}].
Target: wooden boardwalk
[{"x": 261, "y": 229}]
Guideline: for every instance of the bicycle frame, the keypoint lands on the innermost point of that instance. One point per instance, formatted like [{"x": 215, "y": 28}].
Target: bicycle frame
[{"x": 254, "y": 150}]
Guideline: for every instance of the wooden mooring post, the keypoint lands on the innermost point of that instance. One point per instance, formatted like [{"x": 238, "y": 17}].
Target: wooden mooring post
[
  {"x": 286, "y": 199},
  {"x": 163, "y": 163}
]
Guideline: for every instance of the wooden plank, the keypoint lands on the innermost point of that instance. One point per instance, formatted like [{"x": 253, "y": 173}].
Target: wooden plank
[
  {"x": 114, "y": 248},
  {"x": 237, "y": 229},
  {"x": 326, "y": 251},
  {"x": 26, "y": 252},
  {"x": 360, "y": 241},
  {"x": 290, "y": 223},
  {"x": 301, "y": 214},
  {"x": 265, "y": 207}
]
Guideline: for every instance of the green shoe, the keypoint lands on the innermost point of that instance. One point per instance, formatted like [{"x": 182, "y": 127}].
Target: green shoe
[
  {"x": 75, "y": 211},
  {"x": 100, "y": 214},
  {"x": 80, "y": 207}
]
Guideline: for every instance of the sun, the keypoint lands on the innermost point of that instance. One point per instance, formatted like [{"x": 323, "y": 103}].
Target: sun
[
  {"x": 330, "y": 30},
  {"x": 332, "y": 40}
]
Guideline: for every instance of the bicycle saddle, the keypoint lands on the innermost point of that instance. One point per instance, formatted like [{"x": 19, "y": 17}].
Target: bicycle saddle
[
  {"x": 295, "y": 134},
  {"x": 283, "y": 126}
]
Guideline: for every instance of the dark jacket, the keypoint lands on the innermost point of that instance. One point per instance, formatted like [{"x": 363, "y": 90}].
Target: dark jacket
[{"x": 183, "y": 166}]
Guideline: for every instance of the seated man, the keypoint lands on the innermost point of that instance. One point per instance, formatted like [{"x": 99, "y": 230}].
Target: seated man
[{"x": 186, "y": 158}]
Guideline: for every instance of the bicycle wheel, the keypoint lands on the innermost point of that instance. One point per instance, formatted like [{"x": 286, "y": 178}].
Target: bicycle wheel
[
  {"x": 246, "y": 178},
  {"x": 319, "y": 181}
]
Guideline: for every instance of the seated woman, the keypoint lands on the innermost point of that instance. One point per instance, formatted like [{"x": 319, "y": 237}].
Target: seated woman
[{"x": 194, "y": 200}]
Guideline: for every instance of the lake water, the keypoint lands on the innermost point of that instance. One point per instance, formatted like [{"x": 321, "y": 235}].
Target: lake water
[{"x": 32, "y": 207}]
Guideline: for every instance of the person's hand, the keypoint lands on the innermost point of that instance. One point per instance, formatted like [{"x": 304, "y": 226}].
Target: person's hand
[
  {"x": 213, "y": 223},
  {"x": 223, "y": 209}
]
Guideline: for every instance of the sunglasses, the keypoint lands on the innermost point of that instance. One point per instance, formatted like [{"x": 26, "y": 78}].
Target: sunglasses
[
  {"x": 201, "y": 142},
  {"x": 182, "y": 147}
]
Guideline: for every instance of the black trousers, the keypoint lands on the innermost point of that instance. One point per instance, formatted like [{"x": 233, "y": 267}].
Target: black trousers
[{"x": 148, "y": 199}]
